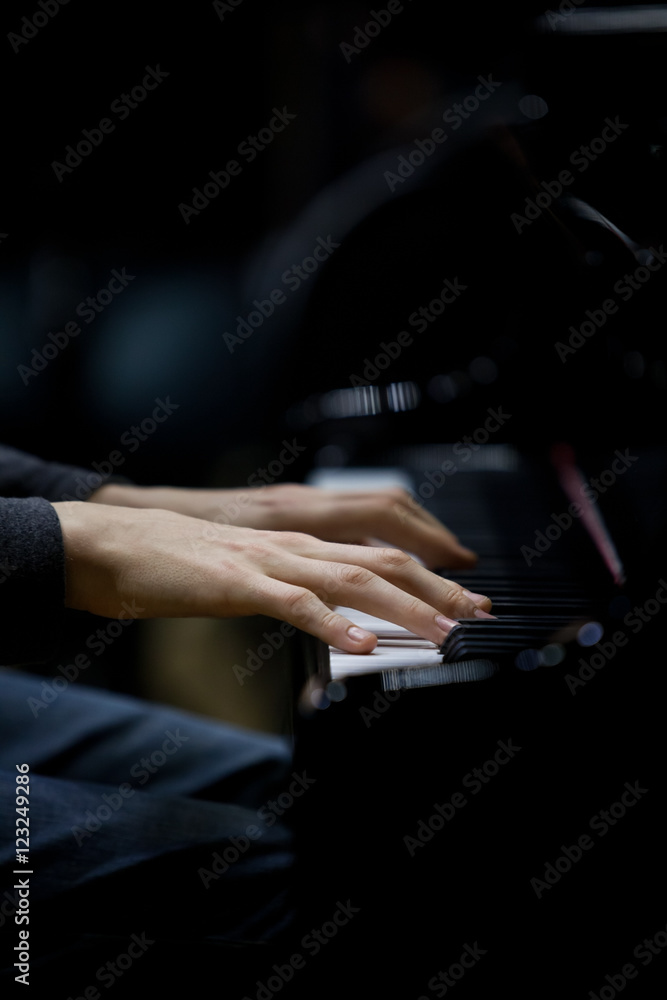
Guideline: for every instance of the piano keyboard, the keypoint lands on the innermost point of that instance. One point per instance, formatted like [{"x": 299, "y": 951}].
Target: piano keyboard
[
  {"x": 545, "y": 605},
  {"x": 410, "y": 815}
]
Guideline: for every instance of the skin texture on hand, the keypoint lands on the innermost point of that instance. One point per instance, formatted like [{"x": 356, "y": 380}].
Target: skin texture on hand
[
  {"x": 357, "y": 517},
  {"x": 173, "y": 565}
]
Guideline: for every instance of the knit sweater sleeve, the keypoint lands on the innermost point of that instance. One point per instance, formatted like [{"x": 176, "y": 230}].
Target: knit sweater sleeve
[
  {"x": 32, "y": 557},
  {"x": 23, "y": 475},
  {"x": 32, "y": 580}
]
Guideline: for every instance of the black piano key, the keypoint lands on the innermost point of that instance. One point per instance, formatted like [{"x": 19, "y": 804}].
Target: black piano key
[{"x": 505, "y": 637}]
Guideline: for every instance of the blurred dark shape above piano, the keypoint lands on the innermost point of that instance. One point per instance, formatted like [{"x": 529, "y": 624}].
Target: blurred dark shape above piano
[{"x": 509, "y": 371}]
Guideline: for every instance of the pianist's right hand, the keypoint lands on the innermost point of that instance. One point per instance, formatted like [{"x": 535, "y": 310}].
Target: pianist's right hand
[{"x": 169, "y": 565}]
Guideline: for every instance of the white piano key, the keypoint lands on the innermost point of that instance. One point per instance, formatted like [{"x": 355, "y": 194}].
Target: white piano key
[
  {"x": 381, "y": 628},
  {"x": 360, "y": 479},
  {"x": 382, "y": 658}
]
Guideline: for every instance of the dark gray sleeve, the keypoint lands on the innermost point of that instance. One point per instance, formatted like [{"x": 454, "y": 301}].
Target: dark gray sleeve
[
  {"x": 32, "y": 580},
  {"x": 23, "y": 475}
]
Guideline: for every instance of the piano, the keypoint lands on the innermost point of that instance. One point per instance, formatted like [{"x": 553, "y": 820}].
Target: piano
[
  {"x": 490, "y": 814},
  {"x": 500, "y": 797}
]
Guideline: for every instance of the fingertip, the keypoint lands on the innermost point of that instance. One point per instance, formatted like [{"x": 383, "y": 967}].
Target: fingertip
[
  {"x": 466, "y": 557},
  {"x": 479, "y": 600},
  {"x": 363, "y": 641}
]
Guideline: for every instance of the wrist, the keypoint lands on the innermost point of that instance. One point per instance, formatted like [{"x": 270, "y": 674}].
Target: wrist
[
  {"x": 90, "y": 543},
  {"x": 129, "y": 495}
]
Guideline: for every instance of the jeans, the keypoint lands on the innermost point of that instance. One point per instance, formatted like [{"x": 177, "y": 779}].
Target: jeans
[{"x": 149, "y": 828}]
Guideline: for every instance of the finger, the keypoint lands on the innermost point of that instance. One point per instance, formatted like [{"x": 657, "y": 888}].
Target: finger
[
  {"x": 354, "y": 516},
  {"x": 392, "y": 565},
  {"x": 388, "y": 584},
  {"x": 400, "y": 520},
  {"x": 435, "y": 544},
  {"x": 304, "y": 609},
  {"x": 356, "y": 587}
]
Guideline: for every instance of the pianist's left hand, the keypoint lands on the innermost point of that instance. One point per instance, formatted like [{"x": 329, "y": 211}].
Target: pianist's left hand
[{"x": 390, "y": 516}]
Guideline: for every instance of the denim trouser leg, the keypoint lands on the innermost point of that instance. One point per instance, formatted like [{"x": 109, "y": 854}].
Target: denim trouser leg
[{"x": 143, "y": 819}]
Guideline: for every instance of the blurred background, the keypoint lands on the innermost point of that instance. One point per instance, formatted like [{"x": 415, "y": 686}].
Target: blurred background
[{"x": 116, "y": 121}]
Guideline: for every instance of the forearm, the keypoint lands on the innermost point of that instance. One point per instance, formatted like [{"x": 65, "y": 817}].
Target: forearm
[{"x": 145, "y": 497}]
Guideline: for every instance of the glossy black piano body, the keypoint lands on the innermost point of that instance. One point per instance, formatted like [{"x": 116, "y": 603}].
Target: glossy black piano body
[
  {"x": 513, "y": 814},
  {"x": 517, "y": 816}
]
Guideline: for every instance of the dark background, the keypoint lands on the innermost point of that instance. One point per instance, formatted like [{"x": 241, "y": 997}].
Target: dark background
[
  {"x": 119, "y": 208},
  {"x": 162, "y": 337}
]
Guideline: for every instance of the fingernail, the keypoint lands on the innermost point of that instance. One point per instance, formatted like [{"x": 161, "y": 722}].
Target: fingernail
[
  {"x": 446, "y": 624},
  {"x": 359, "y": 634},
  {"x": 478, "y": 613},
  {"x": 475, "y": 598}
]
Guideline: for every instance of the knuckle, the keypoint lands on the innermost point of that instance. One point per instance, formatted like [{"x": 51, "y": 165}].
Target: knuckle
[
  {"x": 331, "y": 620},
  {"x": 390, "y": 500},
  {"x": 461, "y": 601},
  {"x": 414, "y": 606},
  {"x": 354, "y": 576},
  {"x": 262, "y": 549},
  {"x": 290, "y": 539},
  {"x": 298, "y": 602},
  {"x": 453, "y": 597},
  {"x": 393, "y": 559}
]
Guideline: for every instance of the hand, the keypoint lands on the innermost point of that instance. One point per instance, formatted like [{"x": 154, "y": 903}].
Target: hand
[
  {"x": 164, "y": 564},
  {"x": 392, "y": 516}
]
